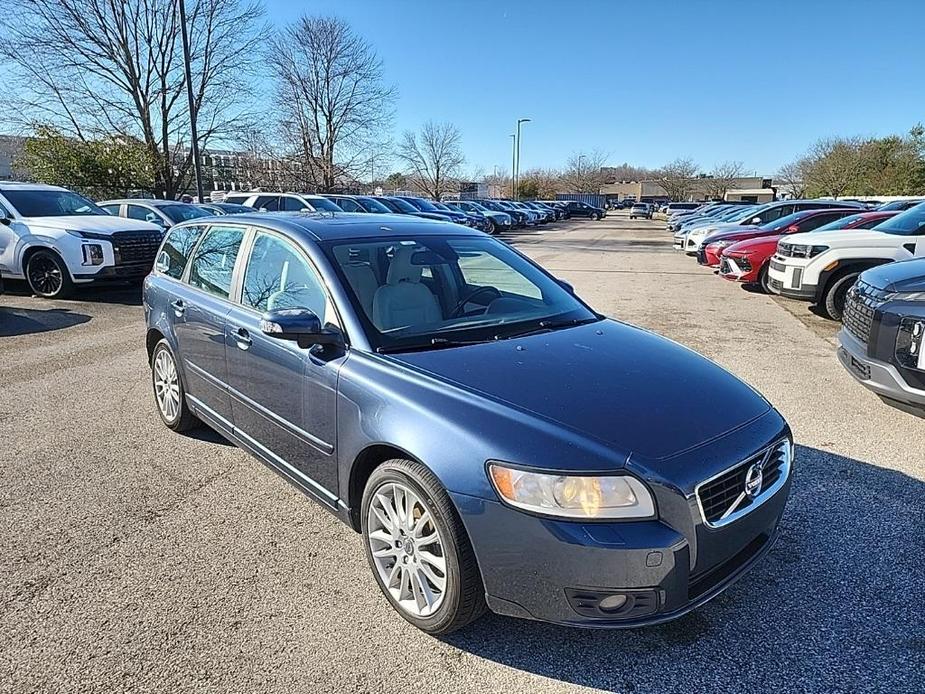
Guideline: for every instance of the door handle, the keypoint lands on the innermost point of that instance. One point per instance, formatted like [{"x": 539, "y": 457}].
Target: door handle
[
  {"x": 179, "y": 307},
  {"x": 242, "y": 338}
]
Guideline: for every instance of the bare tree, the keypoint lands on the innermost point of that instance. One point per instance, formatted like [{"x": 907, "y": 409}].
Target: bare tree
[
  {"x": 721, "y": 178},
  {"x": 332, "y": 98},
  {"x": 584, "y": 173},
  {"x": 108, "y": 67},
  {"x": 792, "y": 178},
  {"x": 678, "y": 178},
  {"x": 433, "y": 157}
]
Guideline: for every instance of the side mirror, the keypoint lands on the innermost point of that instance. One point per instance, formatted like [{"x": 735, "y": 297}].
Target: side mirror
[
  {"x": 566, "y": 286},
  {"x": 6, "y": 221},
  {"x": 299, "y": 325},
  {"x": 792, "y": 229},
  {"x": 756, "y": 220}
]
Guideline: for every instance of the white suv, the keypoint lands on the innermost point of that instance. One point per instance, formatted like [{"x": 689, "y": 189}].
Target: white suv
[
  {"x": 283, "y": 202},
  {"x": 55, "y": 239},
  {"x": 821, "y": 266}
]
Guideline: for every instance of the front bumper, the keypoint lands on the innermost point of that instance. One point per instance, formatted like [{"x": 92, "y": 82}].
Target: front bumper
[
  {"x": 116, "y": 273},
  {"x": 737, "y": 269},
  {"x": 880, "y": 377},
  {"x": 569, "y": 561}
]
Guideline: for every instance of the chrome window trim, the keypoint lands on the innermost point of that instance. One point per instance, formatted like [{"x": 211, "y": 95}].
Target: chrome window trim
[{"x": 765, "y": 494}]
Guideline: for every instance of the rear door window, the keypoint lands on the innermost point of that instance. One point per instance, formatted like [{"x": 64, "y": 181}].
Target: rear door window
[
  {"x": 212, "y": 265},
  {"x": 270, "y": 203}
]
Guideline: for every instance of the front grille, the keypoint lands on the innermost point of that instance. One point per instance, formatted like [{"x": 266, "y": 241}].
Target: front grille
[
  {"x": 776, "y": 285},
  {"x": 861, "y": 304},
  {"x": 136, "y": 247},
  {"x": 726, "y": 494}
]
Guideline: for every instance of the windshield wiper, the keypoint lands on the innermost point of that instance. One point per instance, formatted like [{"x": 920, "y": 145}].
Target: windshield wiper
[
  {"x": 433, "y": 343},
  {"x": 547, "y": 326}
]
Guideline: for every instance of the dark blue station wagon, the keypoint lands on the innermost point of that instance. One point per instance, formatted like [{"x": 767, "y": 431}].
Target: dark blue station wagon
[{"x": 498, "y": 443}]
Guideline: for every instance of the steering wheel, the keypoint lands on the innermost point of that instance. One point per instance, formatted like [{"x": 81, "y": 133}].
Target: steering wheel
[{"x": 457, "y": 310}]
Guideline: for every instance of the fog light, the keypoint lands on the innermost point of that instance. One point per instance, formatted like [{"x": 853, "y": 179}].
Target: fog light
[
  {"x": 909, "y": 343},
  {"x": 612, "y": 603},
  {"x": 93, "y": 254}
]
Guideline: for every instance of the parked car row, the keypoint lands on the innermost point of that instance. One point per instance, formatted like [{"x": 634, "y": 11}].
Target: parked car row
[
  {"x": 865, "y": 268},
  {"x": 56, "y": 239}
]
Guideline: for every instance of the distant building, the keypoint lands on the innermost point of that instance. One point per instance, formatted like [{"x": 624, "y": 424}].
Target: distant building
[{"x": 756, "y": 188}]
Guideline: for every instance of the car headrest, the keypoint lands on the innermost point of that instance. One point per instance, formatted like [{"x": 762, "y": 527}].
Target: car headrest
[{"x": 401, "y": 269}]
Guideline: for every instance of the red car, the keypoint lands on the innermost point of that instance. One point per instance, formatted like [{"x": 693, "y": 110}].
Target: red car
[
  {"x": 747, "y": 261},
  {"x": 807, "y": 220}
]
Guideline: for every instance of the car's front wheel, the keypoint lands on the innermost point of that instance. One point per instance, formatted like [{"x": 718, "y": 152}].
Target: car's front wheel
[
  {"x": 764, "y": 279},
  {"x": 833, "y": 303},
  {"x": 491, "y": 227},
  {"x": 48, "y": 276},
  {"x": 418, "y": 549},
  {"x": 168, "y": 390}
]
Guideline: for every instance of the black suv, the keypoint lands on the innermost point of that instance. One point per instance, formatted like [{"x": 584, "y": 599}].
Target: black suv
[
  {"x": 883, "y": 336},
  {"x": 576, "y": 208}
]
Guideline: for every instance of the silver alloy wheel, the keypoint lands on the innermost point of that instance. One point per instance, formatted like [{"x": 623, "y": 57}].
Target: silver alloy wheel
[
  {"x": 407, "y": 549},
  {"x": 166, "y": 385}
]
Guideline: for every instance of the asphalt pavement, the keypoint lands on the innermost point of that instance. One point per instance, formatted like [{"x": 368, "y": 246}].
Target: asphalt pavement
[{"x": 136, "y": 559}]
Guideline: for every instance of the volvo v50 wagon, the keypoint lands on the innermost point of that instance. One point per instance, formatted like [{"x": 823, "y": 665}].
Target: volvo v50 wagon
[{"x": 497, "y": 442}]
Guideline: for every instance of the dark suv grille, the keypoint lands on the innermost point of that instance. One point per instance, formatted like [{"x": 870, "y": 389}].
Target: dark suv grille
[
  {"x": 861, "y": 304},
  {"x": 717, "y": 496},
  {"x": 136, "y": 247}
]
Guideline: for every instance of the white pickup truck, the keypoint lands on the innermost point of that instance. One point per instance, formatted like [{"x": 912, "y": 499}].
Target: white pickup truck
[
  {"x": 821, "y": 266},
  {"x": 56, "y": 239}
]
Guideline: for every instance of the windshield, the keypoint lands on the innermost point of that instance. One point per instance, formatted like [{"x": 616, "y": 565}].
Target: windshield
[
  {"x": 180, "y": 213},
  {"x": 402, "y": 205},
  {"x": 842, "y": 223},
  {"x": 897, "y": 205},
  {"x": 413, "y": 290},
  {"x": 476, "y": 205},
  {"x": 424, "y": 205},
  {"x": 742, "y": 214},
  {"x": 783, "y": 222},
  {"x": 372, "y": 205},
  {"x": 323, "y": 204},
  {"x": 51, "y": 203},
  {"x": 908, "y": 223}
]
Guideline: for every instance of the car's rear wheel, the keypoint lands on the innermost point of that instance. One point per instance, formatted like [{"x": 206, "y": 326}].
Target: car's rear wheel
[
  {"x": 48, "y": 276},
  {"x": 168, "y": 390},
  {"x": 418, "y": 549},
  {"x": 833, "y": 303}
]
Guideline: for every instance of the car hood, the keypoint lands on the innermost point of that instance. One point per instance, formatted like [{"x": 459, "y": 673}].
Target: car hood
[
  {"x": 755, "y": 244},
  {"x": 739, "y": 235},
  {"x": 622, "y": 386},
  {"x": 904, "y": 276},
  {"x": 96, "y": 223},
  {"x": 849, "y": 238}
]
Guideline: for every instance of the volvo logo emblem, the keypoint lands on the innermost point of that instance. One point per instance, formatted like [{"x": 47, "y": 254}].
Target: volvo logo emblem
[{"x": 753, "y": 480}]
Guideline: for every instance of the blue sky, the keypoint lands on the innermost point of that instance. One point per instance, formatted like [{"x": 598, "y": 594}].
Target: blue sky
[{"x": 645, "y": 82}]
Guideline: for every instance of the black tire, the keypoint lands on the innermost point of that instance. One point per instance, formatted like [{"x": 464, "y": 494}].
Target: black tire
[
  {"x": 48, "y": 276},
  {"x": 464, "y": 597},
  {"x": 833, "y": 302},
  {"x": 184, "y": 419},
  {"x": 764, "y": 280},
  {"x": 492, "y": 228}
]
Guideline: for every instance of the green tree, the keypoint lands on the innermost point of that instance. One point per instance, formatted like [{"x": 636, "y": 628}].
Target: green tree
[{"x": 100, "y": 168}]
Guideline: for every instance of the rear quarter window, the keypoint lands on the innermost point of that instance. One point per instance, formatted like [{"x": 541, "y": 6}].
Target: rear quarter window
[{"x": 176, "y": 249}]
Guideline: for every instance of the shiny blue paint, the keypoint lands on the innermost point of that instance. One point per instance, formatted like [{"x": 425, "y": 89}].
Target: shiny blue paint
[{"x": 602, "y": 397}]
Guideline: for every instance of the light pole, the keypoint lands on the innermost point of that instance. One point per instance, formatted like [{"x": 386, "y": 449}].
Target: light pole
[
  {"x": 578, "y": 184},
  {"x": 513, "y": 163},
  {"x": 517, "y": 158},
  {"x": 192, "y": 104}
]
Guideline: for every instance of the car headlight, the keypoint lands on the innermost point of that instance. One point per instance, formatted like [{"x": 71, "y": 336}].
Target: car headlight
[
  {"x": 910, "y": 341},
  {"x": 573, "y": 496},
  {"x": 798, "y": 251}
]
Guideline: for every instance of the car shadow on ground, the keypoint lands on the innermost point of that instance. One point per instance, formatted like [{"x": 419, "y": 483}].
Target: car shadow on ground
[
  {"x": 835, "y": 606},
  {"x": 16, "y": 321},
  {"x": 124, "y": 294}
]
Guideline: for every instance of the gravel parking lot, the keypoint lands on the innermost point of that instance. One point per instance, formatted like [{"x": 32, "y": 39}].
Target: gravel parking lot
[{"x": 135, "y": 559}]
